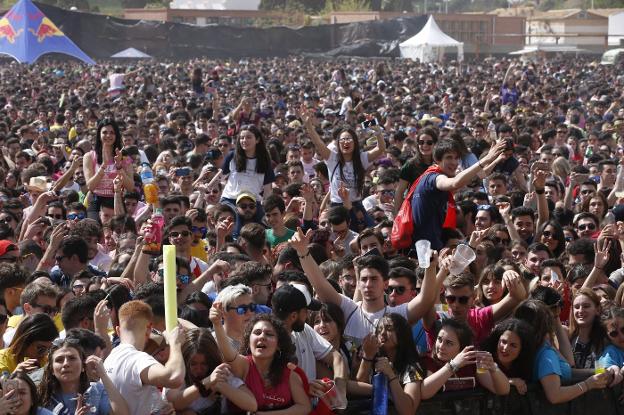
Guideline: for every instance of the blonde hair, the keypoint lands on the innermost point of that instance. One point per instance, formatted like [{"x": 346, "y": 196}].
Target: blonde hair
[{"x": 561, "y": 167}]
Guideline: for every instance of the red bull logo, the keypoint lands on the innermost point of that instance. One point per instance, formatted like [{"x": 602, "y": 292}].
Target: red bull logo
[
  {"x": 46, "y": 29},
  {"x": 7, "y": 31}
]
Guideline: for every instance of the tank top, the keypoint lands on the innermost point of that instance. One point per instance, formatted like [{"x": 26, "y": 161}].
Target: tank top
[
  {"x": 105, "y": 186},
  {"x": 272, "y": 397}
]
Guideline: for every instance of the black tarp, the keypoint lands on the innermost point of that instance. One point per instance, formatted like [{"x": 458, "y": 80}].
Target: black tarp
[{"x": 100, "y": 36}]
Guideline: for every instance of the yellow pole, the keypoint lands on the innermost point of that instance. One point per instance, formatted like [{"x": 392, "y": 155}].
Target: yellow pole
[{"x": 171, "y": 302}]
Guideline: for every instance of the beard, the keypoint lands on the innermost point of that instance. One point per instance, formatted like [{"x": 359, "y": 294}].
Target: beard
[{"x": 298, "y": 326}]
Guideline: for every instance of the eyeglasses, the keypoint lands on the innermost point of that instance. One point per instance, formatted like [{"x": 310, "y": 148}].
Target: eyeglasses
[
  {"x": 399, "y": 289},
  {"x": 425, "y": 142},
  {"x": 203, "y": 230},
  {"x": 176, "y": 234},
  {"x": 242, "y": 309},
  {"x": 6, "y": 221},
  {"x": 387, "y": 192},
  {"x": 586, "y": 226},
  {"x": 614, "y": 333},
  {"x": 78, "y": 287},
  {"x": 345, "y": 139},
  {"x": 463, "y": 299},
  {"x": 46, "y": 309},
  {"x": 74, "y": 216},
  {"x": 220, "y": 145},
  {"x": 246, "y": 206},
  {"x": 57, "y": 216}
]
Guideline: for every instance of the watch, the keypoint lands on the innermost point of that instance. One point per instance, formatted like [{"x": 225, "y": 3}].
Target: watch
[{"x": 202, "y": 389}]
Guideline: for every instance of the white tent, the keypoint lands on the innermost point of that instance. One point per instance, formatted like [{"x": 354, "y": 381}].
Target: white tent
[
  {"x": 429, "y": 44},
  {"x": 131, "y": 53}
]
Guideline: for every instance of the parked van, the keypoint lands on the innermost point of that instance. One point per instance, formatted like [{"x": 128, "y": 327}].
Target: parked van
[{"x": 612, "y": 57}]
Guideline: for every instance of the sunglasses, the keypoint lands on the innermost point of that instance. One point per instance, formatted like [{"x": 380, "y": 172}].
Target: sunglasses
[
  {"x": 183, "y": 278},
  {"x": 462, "y": 299},
  {"x": 484, "y": 207},
  {"x": 56, "y": 216},
  {"x": 58, "y": 343},
  {"x": 500, "y": 241},
  {"x": 586, "y": 226},
  {"x": 222, "y": 145},
  {"x": 176, "y": 234},
  {"x": 246, "y": 206},
  {"x": 242, "y": 309},
  {"x": 399, "y": 289},
  {"x": 5, "y": 221},
  {"x": 74, "y": 216},
  {"x": 425, "y": 142},
  {"x": 203, "y": 230},
  {"x": 387, "y": 192},
  {"x": 614, "y": 333},
  {"x": 47, "y": 309}
]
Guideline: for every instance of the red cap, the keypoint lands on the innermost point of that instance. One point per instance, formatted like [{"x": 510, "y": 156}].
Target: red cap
[{"x": 6, "y": 246}]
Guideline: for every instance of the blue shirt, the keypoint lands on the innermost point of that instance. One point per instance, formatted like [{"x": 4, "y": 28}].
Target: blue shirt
[
  {"x": 420, "y": 337},
  {"x": 548, "y": 361},
  {"x": 611, "y": 356},
  {"x": 429, "y": 206}
]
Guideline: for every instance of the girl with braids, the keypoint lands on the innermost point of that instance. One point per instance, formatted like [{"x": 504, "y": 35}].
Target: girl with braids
[
  {"x": 65, "y": 384},
  {"x": 347, "y": 167},
  {"x": 206, "y": 378},
  {"x": 262, "y": 363}
]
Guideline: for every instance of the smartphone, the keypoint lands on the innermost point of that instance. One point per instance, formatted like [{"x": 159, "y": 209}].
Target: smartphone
[
  {"x": 509, "y": 144},
  {"x": 369, "y": 123},
  {"x": 183, "y": 171},
  {"x": 373, "y": 251}
]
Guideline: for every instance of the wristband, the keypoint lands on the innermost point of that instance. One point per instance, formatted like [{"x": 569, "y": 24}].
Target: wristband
[
  {"x": 394, "y": 378},
  {"x": 480, "y": 165},
  {"x": 368, "y": 360},
  {"x": 303, "y": 256},
  {"x": 539, "y": 191}
]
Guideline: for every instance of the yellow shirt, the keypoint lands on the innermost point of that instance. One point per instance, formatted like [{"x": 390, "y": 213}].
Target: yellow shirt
[
  {"x": 16, "y": 319},
  {"x": 199, "y": 250},
  {"x": 7, "y": 361}
]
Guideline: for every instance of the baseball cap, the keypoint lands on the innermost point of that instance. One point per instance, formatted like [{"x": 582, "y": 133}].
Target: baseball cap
[
  {"x": 246, "y": 195},
  {"x": 6, "y": 246},
  {"x": 293, "y": 297}
]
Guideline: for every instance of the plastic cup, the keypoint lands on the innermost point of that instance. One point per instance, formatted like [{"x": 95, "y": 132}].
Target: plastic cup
[
  {"x": 480, "y": 367},
  {"x": 423, "y": 250},
  {"x": 462, "y": 257},
  {"x": 599, "y": 368},
  {"x": 331, "y": 397}
]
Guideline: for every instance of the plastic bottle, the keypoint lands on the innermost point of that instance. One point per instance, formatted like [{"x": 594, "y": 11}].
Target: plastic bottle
[
  {"x": 609, "y": 219},
  {"x": 150, "y": 190},
  {"x": 153, "y": 234},
  {"x": 380, "y": 394}
]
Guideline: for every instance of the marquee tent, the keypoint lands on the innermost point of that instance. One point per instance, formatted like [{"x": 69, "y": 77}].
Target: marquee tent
[
  {"x": 430, "y": 43},
  {"x": 131, "y": 53}
]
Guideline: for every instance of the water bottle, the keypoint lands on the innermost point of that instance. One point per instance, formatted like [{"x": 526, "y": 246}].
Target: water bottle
[
  {"x": 609, "y": 219},
  {"x": 380, "y": 394},
  {"x": 146, "y": 174}
]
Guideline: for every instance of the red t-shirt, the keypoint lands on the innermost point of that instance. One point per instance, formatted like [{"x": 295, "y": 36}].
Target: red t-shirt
[{"x": 480, "y": 320}]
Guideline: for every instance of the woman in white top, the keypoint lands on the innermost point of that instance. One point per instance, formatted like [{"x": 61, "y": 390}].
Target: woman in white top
[{"x": 347, "y": 165}]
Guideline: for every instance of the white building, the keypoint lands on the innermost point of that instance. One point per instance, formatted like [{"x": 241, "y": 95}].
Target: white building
[{"x": 215, "y": 4}]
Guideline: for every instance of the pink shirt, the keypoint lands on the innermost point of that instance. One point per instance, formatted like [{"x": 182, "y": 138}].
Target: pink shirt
[
  {"x": 480, "y": 320},
  {"x": 105, "y": 186}
]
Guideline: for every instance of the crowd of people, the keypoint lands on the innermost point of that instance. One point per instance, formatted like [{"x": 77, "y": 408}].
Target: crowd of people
[{"x": 284, "y": 185}]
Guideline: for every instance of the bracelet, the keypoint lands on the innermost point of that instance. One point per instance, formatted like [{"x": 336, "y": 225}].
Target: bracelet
[
  {"x": 203, "y": 391},
  {"x": 480, "y": 165},
  {"x": 303, "y": 256},
  {"x": 368, "y": 360},
  {"x": 452, "y": 366},
  {"x": 539, "y": 191},
  {"x": 390, "y": 380},
  {"x": 580, "y": 387}
]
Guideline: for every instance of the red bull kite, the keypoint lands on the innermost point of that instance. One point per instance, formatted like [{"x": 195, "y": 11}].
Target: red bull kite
[{"x": 26, "y": 34}]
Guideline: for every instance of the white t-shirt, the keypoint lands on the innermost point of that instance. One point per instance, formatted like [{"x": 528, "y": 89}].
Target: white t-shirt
[
  {"x": 101, "y": 260},
  {"x": 348, "y": 176},
  {"x": 124, "y": 366},
  {"x": 310, "y": 347},
  {"x": 244, "y": 181},
  {"x": 359, "y": 323},
  {"x": 202, "y": 403},
  {"x": 116, "y": 81},
  {"x": 308, "y": 168}
]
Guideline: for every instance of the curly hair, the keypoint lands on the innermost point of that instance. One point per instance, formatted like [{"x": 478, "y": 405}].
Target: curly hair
[
  {"x": 285, "y": 352},
  {"x": 50, "y": 385}
]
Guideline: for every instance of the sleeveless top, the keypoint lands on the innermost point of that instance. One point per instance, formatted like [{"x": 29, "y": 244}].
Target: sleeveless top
[
  {"x": 269, "y": 398},
  {"x": 105, "y": 186}
]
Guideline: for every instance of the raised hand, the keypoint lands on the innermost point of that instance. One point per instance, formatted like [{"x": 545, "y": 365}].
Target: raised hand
[{"x": 300, "y": 241}]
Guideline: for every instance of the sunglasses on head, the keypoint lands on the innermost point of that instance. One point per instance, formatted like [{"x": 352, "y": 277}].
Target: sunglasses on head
[
  {"x": 586, "y": 226},
  {"x": 176, "y": 234},
  {"x": 58, "y": 343},
  {"x": 399, "y": 289},
  {"x": 614, "y": 333},
  {"x": 462, "y": 299},
  {"x": 484, "y": 207},
  {"x": 73, "y": 216},
  {"x": 242, "y": 309}
]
